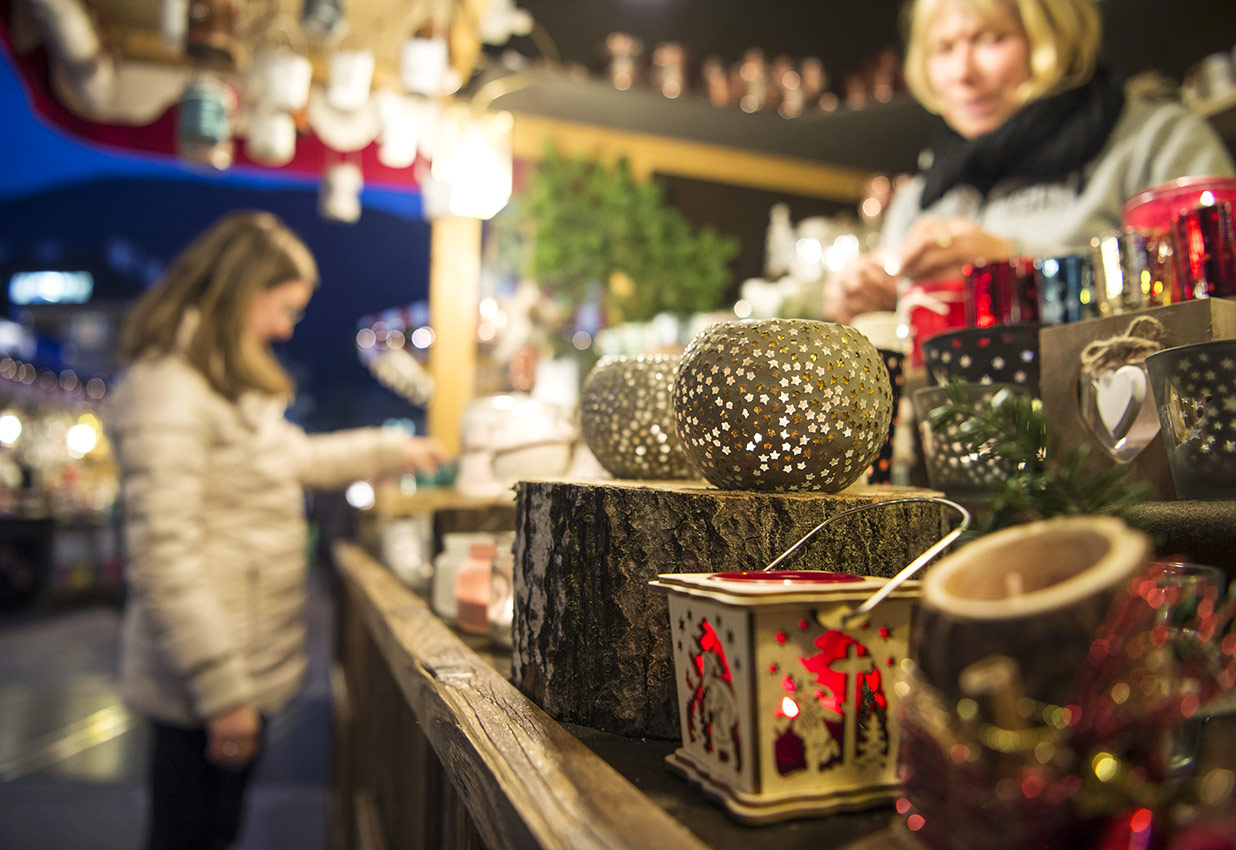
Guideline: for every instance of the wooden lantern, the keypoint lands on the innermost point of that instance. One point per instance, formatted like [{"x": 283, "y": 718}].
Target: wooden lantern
[{"x": 786, "y": 704}]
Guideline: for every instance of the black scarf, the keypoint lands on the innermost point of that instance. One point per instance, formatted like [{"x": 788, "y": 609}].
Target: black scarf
[{"x": 1046, "y": 139}]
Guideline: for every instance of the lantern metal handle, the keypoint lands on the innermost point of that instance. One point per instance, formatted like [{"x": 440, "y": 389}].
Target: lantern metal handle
[{"x": 909, "y": 569}]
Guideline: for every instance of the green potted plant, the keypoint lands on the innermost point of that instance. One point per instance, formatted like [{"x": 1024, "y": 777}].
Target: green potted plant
[{"x": 588, "y": 232}]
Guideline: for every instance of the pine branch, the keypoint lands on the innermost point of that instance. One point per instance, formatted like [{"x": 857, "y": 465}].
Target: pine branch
[{"x": 1012, "y": 427}]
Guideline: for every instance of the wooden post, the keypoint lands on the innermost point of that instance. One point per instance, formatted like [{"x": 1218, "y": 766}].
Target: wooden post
[{"x": 454, "y": 280}]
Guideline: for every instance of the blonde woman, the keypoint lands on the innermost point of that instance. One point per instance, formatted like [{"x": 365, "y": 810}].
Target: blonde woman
[
  {"x": 213, "y": 481},
  {"x": 1042, "y": 147}
]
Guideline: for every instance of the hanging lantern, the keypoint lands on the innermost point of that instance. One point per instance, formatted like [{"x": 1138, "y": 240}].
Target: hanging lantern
[
  {"x": 272, "y": 137},
  {"x": 351, "y": 77},
  {"x": 423, "y": 63},
  {"x": 473, "y": 155},
  {"x": 205, "y": 120},
  {"x": 402, "y": 123},
  {"x": 282, "y": 77},
  {"x": 339, "y": 198},
  {"x": 323, "y": 19},
  {"x": 501, "y": 21},
  {"x": 174, "y": 22},
  {"x": 211, "y": 32}
]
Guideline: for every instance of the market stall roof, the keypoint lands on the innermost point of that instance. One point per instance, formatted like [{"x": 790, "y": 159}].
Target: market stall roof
[{"x": 844, "y": 35}]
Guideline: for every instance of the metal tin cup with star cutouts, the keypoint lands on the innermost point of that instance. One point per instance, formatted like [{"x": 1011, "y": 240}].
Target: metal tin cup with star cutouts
[
  {"x": 1194, "y": 389},
  {"x": 627, "y": 420},
  {"x": 1001, "y": 354},
  {"x": 781, "y": 404}
]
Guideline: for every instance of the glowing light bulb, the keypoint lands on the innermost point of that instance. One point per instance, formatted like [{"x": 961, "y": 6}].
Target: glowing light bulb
[
  {"x": 10, "y": 429},
  {"x": 423, "y": 337},
  {"x": 81, "y": 440},
  {"x": 360, "y": 495},
  {"x": 788, "y": 707}
]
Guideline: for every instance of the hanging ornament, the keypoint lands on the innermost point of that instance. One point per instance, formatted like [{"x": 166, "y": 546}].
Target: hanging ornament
[
  {"x": 205, "y": 122},
  {"x": 343, "y": 130},
  {"x": 339, "y": 197},
  {"x": 1113, "y": 389},
  {"x": 281, "y": 73},
  {"x": 351, "y": 78},
  {"x": 272, "y": 137},
  {"x": 403, "y": 120},
  {"x": 211, "y": 32},
  {"x": 323, "y": 19}
]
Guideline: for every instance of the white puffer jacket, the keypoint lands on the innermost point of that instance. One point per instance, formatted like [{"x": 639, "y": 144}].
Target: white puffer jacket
[{"x": 216, "y": 536}]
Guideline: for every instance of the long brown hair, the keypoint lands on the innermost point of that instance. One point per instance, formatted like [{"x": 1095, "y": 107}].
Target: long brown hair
[{"x": 218, "y": 276}]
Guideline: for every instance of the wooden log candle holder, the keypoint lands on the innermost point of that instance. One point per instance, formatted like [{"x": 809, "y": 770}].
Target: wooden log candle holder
[
  {"x": 592, "y": 638},
  {"x": 1006, "y": 622}
]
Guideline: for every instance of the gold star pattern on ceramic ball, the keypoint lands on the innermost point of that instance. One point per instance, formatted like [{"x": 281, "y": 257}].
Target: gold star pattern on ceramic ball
[{"x": 782, "y": 404}]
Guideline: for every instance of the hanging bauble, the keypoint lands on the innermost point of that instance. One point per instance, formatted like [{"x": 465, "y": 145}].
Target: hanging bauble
[
  {"x": 782, "y": 404},
  {"x": 627, "y": 419}
]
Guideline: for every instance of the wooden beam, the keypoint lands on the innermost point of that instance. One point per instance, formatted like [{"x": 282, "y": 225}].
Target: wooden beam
[
  {"x": 652, "y": 154},
  {"x": 454, "y": 281}
]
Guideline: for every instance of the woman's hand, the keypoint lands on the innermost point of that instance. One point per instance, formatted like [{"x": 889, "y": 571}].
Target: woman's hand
[
  {"x": 423, "y": 454},
  {"x": 232, "y": 737},
  {"x": 863, "y": 286},
  {"x": 942, "y": 247}
]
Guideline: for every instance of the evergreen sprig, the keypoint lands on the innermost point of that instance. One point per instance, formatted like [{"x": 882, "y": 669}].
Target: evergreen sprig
[{"x": 1011, "y": 428}]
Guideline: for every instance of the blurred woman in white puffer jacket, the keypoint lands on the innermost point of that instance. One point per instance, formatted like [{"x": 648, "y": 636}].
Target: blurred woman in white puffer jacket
[{"x": 213, "y": 479}]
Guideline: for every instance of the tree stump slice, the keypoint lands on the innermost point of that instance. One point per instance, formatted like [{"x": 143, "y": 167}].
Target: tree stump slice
[{"x": 592, "y": 639}]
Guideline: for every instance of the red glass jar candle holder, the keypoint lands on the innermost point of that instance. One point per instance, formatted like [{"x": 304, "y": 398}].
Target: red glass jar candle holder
[
  {"x": 1002, "y": 292},
  {"x": 1154, "y": 209},
  {"x": 931, "y": 307},
  {"x": 1204, "y": 244}
]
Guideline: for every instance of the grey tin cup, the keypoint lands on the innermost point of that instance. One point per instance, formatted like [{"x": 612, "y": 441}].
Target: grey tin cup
[{"x": 1194, "y": 389}]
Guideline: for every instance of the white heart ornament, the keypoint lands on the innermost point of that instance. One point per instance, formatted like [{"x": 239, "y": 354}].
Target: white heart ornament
[
  {"x": 1118, "y": 396},
  {"x": 1113, "y": 404}
]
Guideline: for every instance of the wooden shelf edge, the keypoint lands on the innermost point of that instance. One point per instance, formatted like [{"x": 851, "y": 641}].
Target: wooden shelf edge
[
  {"x": 506, "y": 757},
  {"x": 653, "y": 154}
]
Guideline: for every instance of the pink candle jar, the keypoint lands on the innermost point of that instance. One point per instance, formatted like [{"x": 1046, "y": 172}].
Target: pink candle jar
[{"x": 472, "y": 588}]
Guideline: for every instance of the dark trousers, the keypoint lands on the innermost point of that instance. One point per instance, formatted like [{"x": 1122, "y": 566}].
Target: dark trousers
[{"x": 194, "y": 805}]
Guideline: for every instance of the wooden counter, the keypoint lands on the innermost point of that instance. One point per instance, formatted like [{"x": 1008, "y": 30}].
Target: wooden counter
[{"x": 436, "y": 749}]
